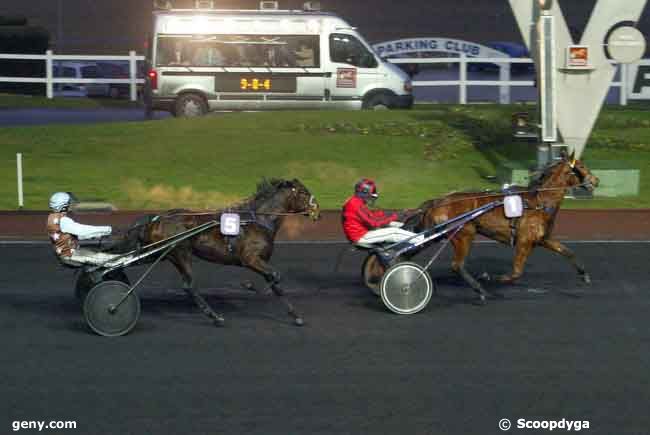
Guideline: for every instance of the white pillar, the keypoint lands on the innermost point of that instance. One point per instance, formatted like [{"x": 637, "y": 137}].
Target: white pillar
[
  {"x": 504, "y": 77},
  {"x": 19, "y": 176},
  {"x": 48, "y": 74},
  {"x": 623, "y": 72},
  {"x": 133, "y": 75},
  {"x": 462, "y": 70}
]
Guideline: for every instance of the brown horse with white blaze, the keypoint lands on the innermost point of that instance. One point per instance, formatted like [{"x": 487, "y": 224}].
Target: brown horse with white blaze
[{"x": 542, "y": 200}]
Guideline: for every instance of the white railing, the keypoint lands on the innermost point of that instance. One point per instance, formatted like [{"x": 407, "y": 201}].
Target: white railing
[
  {"x": 504, "y": 83},
  {"x": 50, "y": 80}
]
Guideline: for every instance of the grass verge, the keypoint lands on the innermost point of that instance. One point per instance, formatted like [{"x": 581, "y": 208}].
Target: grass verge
[{"x": 210, "y": 162}]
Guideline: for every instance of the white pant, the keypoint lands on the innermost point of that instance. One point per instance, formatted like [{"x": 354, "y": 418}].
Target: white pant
[
  {"x": 88, "y": 256},
  {"x": 384, "y": 235}
]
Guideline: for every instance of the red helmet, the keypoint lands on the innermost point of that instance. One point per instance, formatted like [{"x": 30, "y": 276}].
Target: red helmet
[{"x": 366, "y": 189}]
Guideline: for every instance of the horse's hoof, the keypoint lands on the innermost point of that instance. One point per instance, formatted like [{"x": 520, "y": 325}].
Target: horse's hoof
[
  {"x": 219, "y": 321},
  {"x": 299, "y": 321},
  {"x": 586, "y": 278},
  {"x": 248, "y": 285},
  {"x": 480, "y": 301}
]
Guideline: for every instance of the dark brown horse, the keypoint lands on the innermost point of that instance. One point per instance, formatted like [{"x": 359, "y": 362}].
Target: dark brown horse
[
  {"x": 542, "y": 200},
  {"x": 261, "y": 215}
]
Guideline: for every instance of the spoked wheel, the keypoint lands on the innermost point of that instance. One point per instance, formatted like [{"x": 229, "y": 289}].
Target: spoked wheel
[
  {"x": 85, "y": 282},
  {"x": 372, "y": 272},
  {"x": 406, "y": 288},
  {"x": 103, "y": 314}
]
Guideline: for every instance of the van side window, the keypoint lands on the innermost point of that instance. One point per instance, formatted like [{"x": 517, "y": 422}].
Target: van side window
[
  {"x": 348, "y": 49},
  {"x": 287, "y": 51}
]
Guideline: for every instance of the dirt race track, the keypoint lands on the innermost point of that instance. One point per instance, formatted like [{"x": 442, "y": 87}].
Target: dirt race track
[
  {"x": 571, "y": 225},
  {"x": 552, "y": 349}
]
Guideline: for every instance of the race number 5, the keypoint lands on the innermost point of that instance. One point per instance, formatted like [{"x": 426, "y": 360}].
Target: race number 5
[{"x": 230, "y": 224}]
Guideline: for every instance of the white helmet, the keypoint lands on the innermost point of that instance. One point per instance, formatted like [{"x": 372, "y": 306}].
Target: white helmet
[{"x": 60, "y": 201}]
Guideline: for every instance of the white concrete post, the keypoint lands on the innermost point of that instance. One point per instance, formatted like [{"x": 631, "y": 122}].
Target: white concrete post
[
  {"x": 462, "y": 88},
  {"x": 48, "y": 74},
  {"x": 133, "y": 76},
  {"x": 623, "y": 72},
  {"x": 504, "y": 76},
  {"x": 19, "y": 176}
]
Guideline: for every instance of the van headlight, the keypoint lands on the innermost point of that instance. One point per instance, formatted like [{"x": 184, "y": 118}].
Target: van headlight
[{"x": 408, "y": 86}]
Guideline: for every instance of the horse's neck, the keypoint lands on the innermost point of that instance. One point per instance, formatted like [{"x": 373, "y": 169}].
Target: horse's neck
[
  {"x": 269, "y": 213},
  {"x": 552, "y": 191}
]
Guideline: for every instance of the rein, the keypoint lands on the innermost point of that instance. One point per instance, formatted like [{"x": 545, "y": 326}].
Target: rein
[
  {"x": 210, "y": 213},
  {"x": 494, "y": 195}
]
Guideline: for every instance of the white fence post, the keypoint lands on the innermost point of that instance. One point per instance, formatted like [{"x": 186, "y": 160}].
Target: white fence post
[
  {"x": 504, "y": 76},
  {"x": 623, "y": 71},
  {"x": 19, "y": 175},
  {"x": 48, "y": 74},
  {"x": 462, "y": 69},
  {"x": 133, "y": 75}
]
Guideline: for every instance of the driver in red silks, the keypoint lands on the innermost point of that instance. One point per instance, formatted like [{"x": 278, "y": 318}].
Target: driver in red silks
[{"x": 365, "y": 227}]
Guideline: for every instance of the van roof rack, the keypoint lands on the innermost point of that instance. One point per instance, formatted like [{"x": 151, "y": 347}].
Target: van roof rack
[{"x": 243, "y": 11}]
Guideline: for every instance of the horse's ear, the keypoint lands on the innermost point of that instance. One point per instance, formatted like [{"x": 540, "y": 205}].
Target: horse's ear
[{"x": 572, "y": 159}]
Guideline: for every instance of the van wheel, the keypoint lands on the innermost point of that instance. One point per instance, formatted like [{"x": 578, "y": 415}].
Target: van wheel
[
  {"x": 376, "y": 102},
  {"x": 190, "y": 106}
]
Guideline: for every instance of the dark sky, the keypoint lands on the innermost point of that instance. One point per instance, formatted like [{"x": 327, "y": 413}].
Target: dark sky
[{"x": 119, "y": 25}]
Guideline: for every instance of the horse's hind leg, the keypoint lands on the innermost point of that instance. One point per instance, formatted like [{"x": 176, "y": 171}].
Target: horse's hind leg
[
  {"x": 462, "y": 243},
  {"x": 272, "y": 276},
  {"x": 182, "y": 260},
  {"x": 559, "y": 248}
]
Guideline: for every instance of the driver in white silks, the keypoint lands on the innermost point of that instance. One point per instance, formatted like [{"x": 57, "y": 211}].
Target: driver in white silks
[
  {"x": 365, "y": 227},
  {"x": 65, "y": 233}
]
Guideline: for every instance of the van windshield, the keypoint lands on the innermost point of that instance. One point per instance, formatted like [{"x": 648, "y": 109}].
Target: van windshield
[
  {"x": 287, "y": 51},
  {"x": 348, "y": 49}
]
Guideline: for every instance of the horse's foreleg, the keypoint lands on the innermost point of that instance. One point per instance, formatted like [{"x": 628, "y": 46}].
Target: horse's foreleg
[
  {"x": 182, "y": 260},
  {"x": 462, "y": 243},
  {"x": 559, "y": 248},
  {"x": 272, "y": 276}
]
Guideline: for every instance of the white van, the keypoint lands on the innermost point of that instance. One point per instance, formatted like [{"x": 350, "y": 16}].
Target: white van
[{"x": 268, "y": 59}]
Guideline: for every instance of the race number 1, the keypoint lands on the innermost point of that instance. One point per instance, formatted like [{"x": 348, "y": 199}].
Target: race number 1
[{"x": 230, "y": 224}]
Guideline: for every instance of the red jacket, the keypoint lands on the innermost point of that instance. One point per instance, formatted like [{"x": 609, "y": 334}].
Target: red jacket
[{"x": 358, "y": 219}]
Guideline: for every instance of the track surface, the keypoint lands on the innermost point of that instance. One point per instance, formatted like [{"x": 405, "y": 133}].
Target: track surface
[{"x": 552, "y": 349}]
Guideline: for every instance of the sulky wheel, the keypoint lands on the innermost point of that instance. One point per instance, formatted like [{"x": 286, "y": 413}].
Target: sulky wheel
[
  {"x": 103, "y": 314},
  {"x": 406, "y": 288},
  {"x": 371, "y": 272}
]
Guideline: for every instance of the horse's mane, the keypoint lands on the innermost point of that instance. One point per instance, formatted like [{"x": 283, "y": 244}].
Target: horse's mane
[
  {"x": 265, "y": 190},
  {"x": 539, "y": 177}
]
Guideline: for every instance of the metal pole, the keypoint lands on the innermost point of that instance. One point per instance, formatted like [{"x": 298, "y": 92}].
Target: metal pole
[{"x": 19, "y": 173}]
